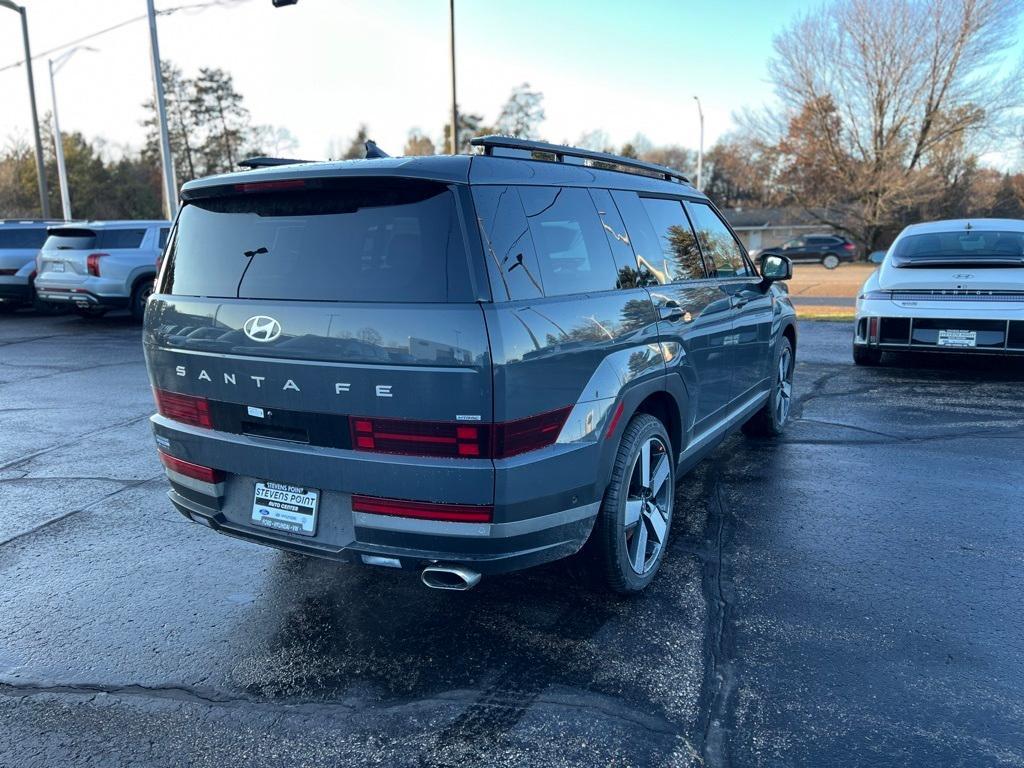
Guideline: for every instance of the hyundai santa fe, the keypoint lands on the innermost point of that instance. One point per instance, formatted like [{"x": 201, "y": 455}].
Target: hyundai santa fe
[{"x": 458, "y": 365}]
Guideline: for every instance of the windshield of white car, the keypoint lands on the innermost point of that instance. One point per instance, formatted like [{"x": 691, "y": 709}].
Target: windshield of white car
[{"x": 974, "y": 248}]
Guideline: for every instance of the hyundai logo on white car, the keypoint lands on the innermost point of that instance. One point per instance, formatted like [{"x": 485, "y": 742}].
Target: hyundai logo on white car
[{"x": 262, "y": 328}]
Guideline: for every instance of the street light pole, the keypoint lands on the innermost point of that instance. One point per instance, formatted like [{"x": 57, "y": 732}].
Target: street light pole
[
  {"x": 170, "y": 185},
  {"x": 455, "y": 108},
  {"x": 700, "y": 152},
  {"x": 44, "y": 197},
  {"x": 62, "y": 169}
]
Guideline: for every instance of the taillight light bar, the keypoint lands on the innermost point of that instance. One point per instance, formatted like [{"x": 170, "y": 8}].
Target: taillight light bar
[
  {"x": 185, "y": 408},
  {"x": 422, "y": 510},
  {"x": 188, "y": 469},
  {"x": 270, "y": 186},
  {"x": 92, "y": 263},
  {"x": 455, "y": 439}
]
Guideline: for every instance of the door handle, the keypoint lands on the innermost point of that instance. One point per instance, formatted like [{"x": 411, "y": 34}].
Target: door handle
[{"x": 670, "y": 310}]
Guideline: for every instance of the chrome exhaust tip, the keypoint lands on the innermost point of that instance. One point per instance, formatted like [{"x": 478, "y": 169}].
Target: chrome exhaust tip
[{"x": 454, "y": 577}]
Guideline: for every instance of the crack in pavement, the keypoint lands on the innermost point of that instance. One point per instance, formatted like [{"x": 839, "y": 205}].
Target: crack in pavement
[
  {"x": 15, "y": 463},
  {"x": 716, "y": 692},
  {"x": 64, "y": 515}
]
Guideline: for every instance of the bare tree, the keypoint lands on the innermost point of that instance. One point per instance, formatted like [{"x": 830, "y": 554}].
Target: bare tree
[
  {"x": 873, "y": 90},
  {"x": 522, "y": 114},
  {"x": 418, "y": 144}
]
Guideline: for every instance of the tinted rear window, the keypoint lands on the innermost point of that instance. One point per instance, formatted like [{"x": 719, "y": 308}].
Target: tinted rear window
[
  {"x": 380, "y": 240},
  {"x": 22, "y": 238},
  {"x": 973, "y": 247}
]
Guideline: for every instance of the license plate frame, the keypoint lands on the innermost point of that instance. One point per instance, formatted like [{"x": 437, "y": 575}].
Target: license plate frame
[
  {"x": 957, "y": 338},
  {"x": 57, "y": 266},
  {"x": 284, "y": 507}
]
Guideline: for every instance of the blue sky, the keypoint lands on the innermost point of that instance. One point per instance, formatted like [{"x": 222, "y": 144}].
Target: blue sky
[{"x": 323, "y": 66}]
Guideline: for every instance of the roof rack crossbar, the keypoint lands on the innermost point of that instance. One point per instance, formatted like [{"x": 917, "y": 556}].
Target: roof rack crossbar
[
  {"x": 268, "y": 162},
  {"x": 560, "y": 152}
]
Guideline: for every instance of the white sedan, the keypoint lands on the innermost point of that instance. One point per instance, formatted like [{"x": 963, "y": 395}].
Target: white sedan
[{"x": 946, "y": 286}]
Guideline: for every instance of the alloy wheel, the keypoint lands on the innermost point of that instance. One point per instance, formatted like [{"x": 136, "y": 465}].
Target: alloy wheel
[
  {"x": 784, "y": 386},
  {"x": 648, "y": 505}
]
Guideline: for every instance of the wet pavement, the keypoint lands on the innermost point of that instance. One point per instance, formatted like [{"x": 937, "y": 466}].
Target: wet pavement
[{"x": 850, "y": 594}]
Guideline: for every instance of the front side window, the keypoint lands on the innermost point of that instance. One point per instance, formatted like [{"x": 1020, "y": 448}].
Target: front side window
[
  {"x": 796, "y": 242},
  {"x": 678, "y": 243},
  {"x": 721, "y": 249},
  {"x": 572, "y": 250}
]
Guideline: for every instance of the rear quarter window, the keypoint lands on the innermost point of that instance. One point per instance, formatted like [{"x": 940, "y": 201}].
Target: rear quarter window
[
  {"x": 113, "y": 239},
  {"x": 374, "y": 240},
  {"x": 571, "y": 246}
]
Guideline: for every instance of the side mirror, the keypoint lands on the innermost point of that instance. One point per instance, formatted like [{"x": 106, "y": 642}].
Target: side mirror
[{"x": 776, "y": 267}]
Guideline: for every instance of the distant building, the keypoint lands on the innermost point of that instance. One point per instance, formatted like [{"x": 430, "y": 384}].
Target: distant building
[{"x": 761, "y": 228}]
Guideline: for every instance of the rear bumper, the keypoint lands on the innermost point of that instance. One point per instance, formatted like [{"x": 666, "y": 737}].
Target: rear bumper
[
  {"x": 79, "y": 296},
  {"x": 15, "y": 290},
  {"x": 886, "y": 325},
  {"x": 532, "y": 525}
]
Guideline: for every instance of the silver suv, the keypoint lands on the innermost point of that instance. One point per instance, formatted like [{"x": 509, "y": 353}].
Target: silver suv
[
  {"x": 97, "y": 266},
  {"x": 20, "y": 241}
]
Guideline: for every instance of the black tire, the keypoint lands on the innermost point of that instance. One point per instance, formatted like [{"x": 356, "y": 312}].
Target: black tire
[
  {"x": 90, "y": 313},
  {"x": 613, "y": 537},
  {"x": 830, "y": 261},
  {"x": 771, "y": 419},
  {"x": 866, "y": 356},
  {"x": 142, "y": 291}
]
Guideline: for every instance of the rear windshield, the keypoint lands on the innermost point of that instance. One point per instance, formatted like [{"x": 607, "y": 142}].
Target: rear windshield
[
  {"x": 22, "y": 238},
  {"x": 81, "y": 238},
  {"x": 963, "y": 247},
  {"x": 380, "y": 240}
]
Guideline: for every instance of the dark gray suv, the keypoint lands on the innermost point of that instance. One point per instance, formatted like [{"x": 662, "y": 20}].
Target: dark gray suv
[{"x": 458, "y": 365}]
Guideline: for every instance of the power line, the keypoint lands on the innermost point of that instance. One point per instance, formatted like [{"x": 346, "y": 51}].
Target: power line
[{"x": 194, "y": 7}]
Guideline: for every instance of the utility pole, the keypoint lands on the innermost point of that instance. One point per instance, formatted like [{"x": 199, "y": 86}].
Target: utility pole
[
  {"x": 170, "y": 185},
  {"x": 44, "y": 197},
  {"x": 700, "y": 152},
  {"x": 455, "y": 108}
]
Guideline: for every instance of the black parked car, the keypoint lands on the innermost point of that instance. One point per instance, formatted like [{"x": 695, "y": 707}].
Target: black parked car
[
  {"x": 829, "y": 250},
  {"x": 458, "y": 365}
]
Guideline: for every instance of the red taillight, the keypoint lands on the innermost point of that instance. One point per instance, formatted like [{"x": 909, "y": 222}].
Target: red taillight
[
  {"x": 873, "y": 329},
  {"x": 422, "y": 510},
  {"x": 188, "y": 469},
  {"x": 92, "y": 263},
  {"x": 529, "y": 434},
  {"x": 419, "y": 438},
  {"x": 848, "y": 246},
  {"x": 270, "y": 186},
  {"x": 445, "y": 438},
  {"x": 186, "y": 408}
]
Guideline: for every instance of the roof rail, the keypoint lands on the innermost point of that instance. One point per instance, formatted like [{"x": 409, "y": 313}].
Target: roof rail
[
  {"x": 269, "y": 162},
  {"x": 589, "y": 157}
]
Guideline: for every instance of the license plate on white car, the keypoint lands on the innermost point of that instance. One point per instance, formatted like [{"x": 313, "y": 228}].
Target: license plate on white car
[
  {"x": 285, "y": 508},
  {"x": 956, "y": 338},
  {"x": 56, "y": 266}
]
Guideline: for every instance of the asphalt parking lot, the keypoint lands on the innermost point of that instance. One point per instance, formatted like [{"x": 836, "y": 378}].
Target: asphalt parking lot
[{"x": 848, "y": 595}]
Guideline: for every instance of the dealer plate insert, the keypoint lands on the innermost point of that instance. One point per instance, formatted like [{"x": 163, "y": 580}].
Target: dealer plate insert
[
  {"x": 957, "y": 338},
  {"x": 285, "y": 508}
]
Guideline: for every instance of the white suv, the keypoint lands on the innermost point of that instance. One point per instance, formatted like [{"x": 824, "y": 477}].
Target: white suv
[{"x": 97, "y": 266}]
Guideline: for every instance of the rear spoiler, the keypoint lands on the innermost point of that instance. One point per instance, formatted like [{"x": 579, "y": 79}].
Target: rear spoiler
[{"x": 269, "y": 162}]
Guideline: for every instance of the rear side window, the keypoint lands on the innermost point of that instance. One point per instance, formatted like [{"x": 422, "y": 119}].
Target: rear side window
[
  {"x": 112, "y": 239},
  {"x": 508, "y": 247},
  {"x": 392, "y": 240},
  {"x": 22, "y": 238},
  {"x": 571, "y": 247},
  {"x": 720, "y": 248},
  {"x": 617, "y": 237}
]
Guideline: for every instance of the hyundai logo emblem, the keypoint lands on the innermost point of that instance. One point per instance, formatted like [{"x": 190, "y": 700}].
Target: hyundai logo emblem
[{"x": 262, "y": 328}]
